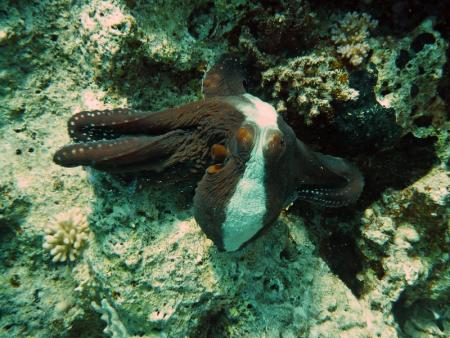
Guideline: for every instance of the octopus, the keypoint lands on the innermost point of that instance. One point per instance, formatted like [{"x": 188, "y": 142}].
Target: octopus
[{"x": 253, "y": 164}]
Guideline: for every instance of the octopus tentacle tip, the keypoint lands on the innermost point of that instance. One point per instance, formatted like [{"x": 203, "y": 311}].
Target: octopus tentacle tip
[{"x": 252, "y": 162}]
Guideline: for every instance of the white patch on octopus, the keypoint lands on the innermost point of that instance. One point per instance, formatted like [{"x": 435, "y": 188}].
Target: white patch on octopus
[{"x": 245, "y": 212}]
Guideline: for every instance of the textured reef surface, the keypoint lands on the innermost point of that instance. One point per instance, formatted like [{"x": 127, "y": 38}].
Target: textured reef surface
[{"x": 90, "y": 254}]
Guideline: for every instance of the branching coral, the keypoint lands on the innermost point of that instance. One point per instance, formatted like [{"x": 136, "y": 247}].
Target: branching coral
[
  {"x": 350, "y": 36},
  {"x": 66, "y": 235},
  {"x": 309, "y": 84}
]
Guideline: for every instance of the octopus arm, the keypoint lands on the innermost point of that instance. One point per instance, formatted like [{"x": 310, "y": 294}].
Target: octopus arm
[
  {"x": 95, "y": 125},
  {"x": 129, "y": 140},
  {"x": 327, "y": 180},
  {"x": 108, "y": 124},
  {"x": 124, "y": 154}
]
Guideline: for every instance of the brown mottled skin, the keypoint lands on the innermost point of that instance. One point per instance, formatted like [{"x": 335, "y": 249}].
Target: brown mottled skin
[{"x": 212, "y": 136}]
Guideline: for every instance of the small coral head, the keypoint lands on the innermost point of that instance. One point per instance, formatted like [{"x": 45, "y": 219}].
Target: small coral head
[{"x": 66, "y": 235}]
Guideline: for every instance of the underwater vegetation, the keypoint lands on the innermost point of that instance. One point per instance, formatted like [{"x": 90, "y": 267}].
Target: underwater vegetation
[{"x": 105, "y": 249}]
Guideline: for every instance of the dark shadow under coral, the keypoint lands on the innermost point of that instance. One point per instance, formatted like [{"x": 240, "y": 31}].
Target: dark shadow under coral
[{"x": 397, "y": 167}]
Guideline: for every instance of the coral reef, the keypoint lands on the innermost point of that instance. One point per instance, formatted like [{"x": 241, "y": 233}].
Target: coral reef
[
  {"x": 66, "y": 235},
  {"x": 409, "y": 73},
  {"x": 350, "y": 35},
  {"x": 410, "y": 228},
  {"x": 379, "y": 268},
  {"x": 309, "y": 85}
]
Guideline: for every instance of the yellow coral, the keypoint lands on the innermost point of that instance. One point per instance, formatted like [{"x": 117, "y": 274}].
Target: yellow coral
[{"x": 66, "y": 235}]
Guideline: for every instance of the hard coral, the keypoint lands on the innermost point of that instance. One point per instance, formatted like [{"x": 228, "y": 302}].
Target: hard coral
[
  {"x": 309, "y": 84},
  {"x": 67, "y": 235},
  {"x": 350, "y": 36},
  {"x": 410, "y": 71}
]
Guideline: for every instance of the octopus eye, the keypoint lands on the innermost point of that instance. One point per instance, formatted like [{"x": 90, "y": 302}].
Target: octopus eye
[
  {"x": 275, "y": 143},
  {"x": 245, "y": 138},
  {"x": 219, "y": 153}
]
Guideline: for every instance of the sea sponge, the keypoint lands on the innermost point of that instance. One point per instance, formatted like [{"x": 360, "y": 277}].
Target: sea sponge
[
  {"x": 350, "y": 36},
  {"x": 66, "y": 235}
]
